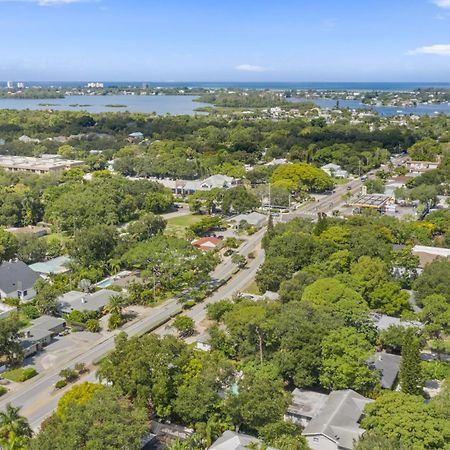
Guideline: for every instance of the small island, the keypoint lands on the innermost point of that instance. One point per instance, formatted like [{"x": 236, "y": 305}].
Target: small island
[{"x": 115, "y": 105}]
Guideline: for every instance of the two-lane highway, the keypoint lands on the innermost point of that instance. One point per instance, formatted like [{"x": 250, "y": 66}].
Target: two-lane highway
[{"x": 37, "y": 396}]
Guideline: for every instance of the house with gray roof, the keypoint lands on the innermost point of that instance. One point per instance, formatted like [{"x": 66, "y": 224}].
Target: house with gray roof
[
  {"x": 331, "y": 422},
  {"x": 305, "y": 405},
  {"x": 388, "y": 365},
  {"x": 383, "y": 322},
  {"x": 230, "y": 440},
  {"x": 81, "y": 301},
  {"x": 336, "y": 426},
  {"x": 40, "y": 333},
  {"x": 255, "y": 219},
  {"x": 17, "y": 280},
  {"x": 52, "y": 266}
]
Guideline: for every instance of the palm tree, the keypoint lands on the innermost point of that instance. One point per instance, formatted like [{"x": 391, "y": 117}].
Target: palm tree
[
  {"x": 12, "y": 422},
  {"x": 115, "y": 305},
  {"x": 14, "y": 442}
]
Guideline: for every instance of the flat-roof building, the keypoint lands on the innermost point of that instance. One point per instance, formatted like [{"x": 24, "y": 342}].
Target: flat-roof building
[
  {"x": 81, "y": 301},
  {"x": 50, "y": 164}
]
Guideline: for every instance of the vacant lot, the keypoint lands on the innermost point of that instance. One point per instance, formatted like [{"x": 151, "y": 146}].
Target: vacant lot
[{"x": 177, "y": 225}]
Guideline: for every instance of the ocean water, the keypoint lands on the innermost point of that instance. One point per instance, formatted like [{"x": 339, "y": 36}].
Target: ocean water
[{"x": 271, "y": 85}]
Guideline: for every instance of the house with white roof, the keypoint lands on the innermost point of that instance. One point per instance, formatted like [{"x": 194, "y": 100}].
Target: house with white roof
[{"x": 335, "y": 170}]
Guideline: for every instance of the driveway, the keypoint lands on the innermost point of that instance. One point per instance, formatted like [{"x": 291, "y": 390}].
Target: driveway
[{"x": 62, "y": 349}]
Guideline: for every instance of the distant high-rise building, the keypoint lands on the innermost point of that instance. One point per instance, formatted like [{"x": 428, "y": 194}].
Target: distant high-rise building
[
  {"x": 20, "y": 85},
  {"x": 9, "y": 84},
  {"x": 95, "y": 84}
]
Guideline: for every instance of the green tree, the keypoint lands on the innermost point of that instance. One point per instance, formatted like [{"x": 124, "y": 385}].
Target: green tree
[
  {"x": 158, "y": 202},
  {"x": 301, "y": 177},
  {"x": 206, "y": 224},
  {"x": 273, "y": 272},
  {"x": 106, "y": 421},
  {"x": 144, "y": 369},
  {"x": 184, "y": 325},
  {"x": 433, "y": 280},
  {"x": 94, "y": 245},
  {"x": 261, "y": 398},
  {"x": 344, "y": 355},
  {"x": 333, "y": 294},
  {"x": 283, "y": 435},
  {"x": 78, "y": 395},
  {"x": 239, "y": 200},
  {"x": 436, "y": 315},
  {"x": 8, "y": 245},
  {"x": 14, "y": 429},
  {"x": 239, "y": 260},
  {"x": 389, "y": 299},
  {"x": 46, "y": 295},
  {"x": 146, "y": 227},
  {"x": 407, "y": 418},
  {"x": 372, "y": 441},
  {"x": 10, "y": 349},
  {"x": 410, "y": 369}
]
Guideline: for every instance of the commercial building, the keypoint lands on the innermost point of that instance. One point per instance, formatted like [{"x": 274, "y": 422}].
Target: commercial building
[
  {"x": 185, "y": 187},
  {"x": 50, "y": 164}
]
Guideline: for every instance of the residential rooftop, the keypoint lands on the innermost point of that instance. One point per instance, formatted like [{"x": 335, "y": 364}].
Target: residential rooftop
[
  {"x": 338, "y": 419},
  {"x": 55, "y": 265},
  {"x": 230, "y": 440},
  {"x": 383, "y": 322},
  {"x": 307, "y": 403},
  {"x": 388, "y": 365},
  {"x": 81, "y": 301}
]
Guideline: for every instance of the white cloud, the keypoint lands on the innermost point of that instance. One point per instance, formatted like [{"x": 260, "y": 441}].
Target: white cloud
[
  {"x": 438, "y": 49},
  {"x": 47, "y": 2},
  {"x": 251, "y": 68},
  {"x": 442, "y": 3}
]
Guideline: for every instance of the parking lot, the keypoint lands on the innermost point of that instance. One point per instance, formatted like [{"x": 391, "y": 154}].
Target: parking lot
[{"x": 62, "y": 349}]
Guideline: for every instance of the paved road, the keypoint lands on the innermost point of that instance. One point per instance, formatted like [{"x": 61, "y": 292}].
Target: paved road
[
  {"x": 326, "y": 203},
  {"x": 38, "y": 398}
]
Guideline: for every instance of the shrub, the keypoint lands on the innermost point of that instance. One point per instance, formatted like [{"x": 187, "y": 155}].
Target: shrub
[
  {"x": 81, "y": 368},
  {"x": 93, "y": 325},
  {"x": 69, "y": 374},
  {"x": 20, "y": 375},
  {"x": 60, "y": 384},
  {"x": 3, "y": 390},
  {"x": 435, "y": 370},
  {"x": 189, "y": 304},
  {"x": 30, "y": 311}
]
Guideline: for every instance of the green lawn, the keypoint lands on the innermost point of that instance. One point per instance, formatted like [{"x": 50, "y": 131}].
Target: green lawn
[
  {"x": 177, "y": 225},
  {"x": 252, "y": 288},
  {"x": 19, "y": 375}
]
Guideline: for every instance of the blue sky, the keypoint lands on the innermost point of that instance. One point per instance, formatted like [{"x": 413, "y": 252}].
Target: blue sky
[{"x": 225, "y": 40}]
